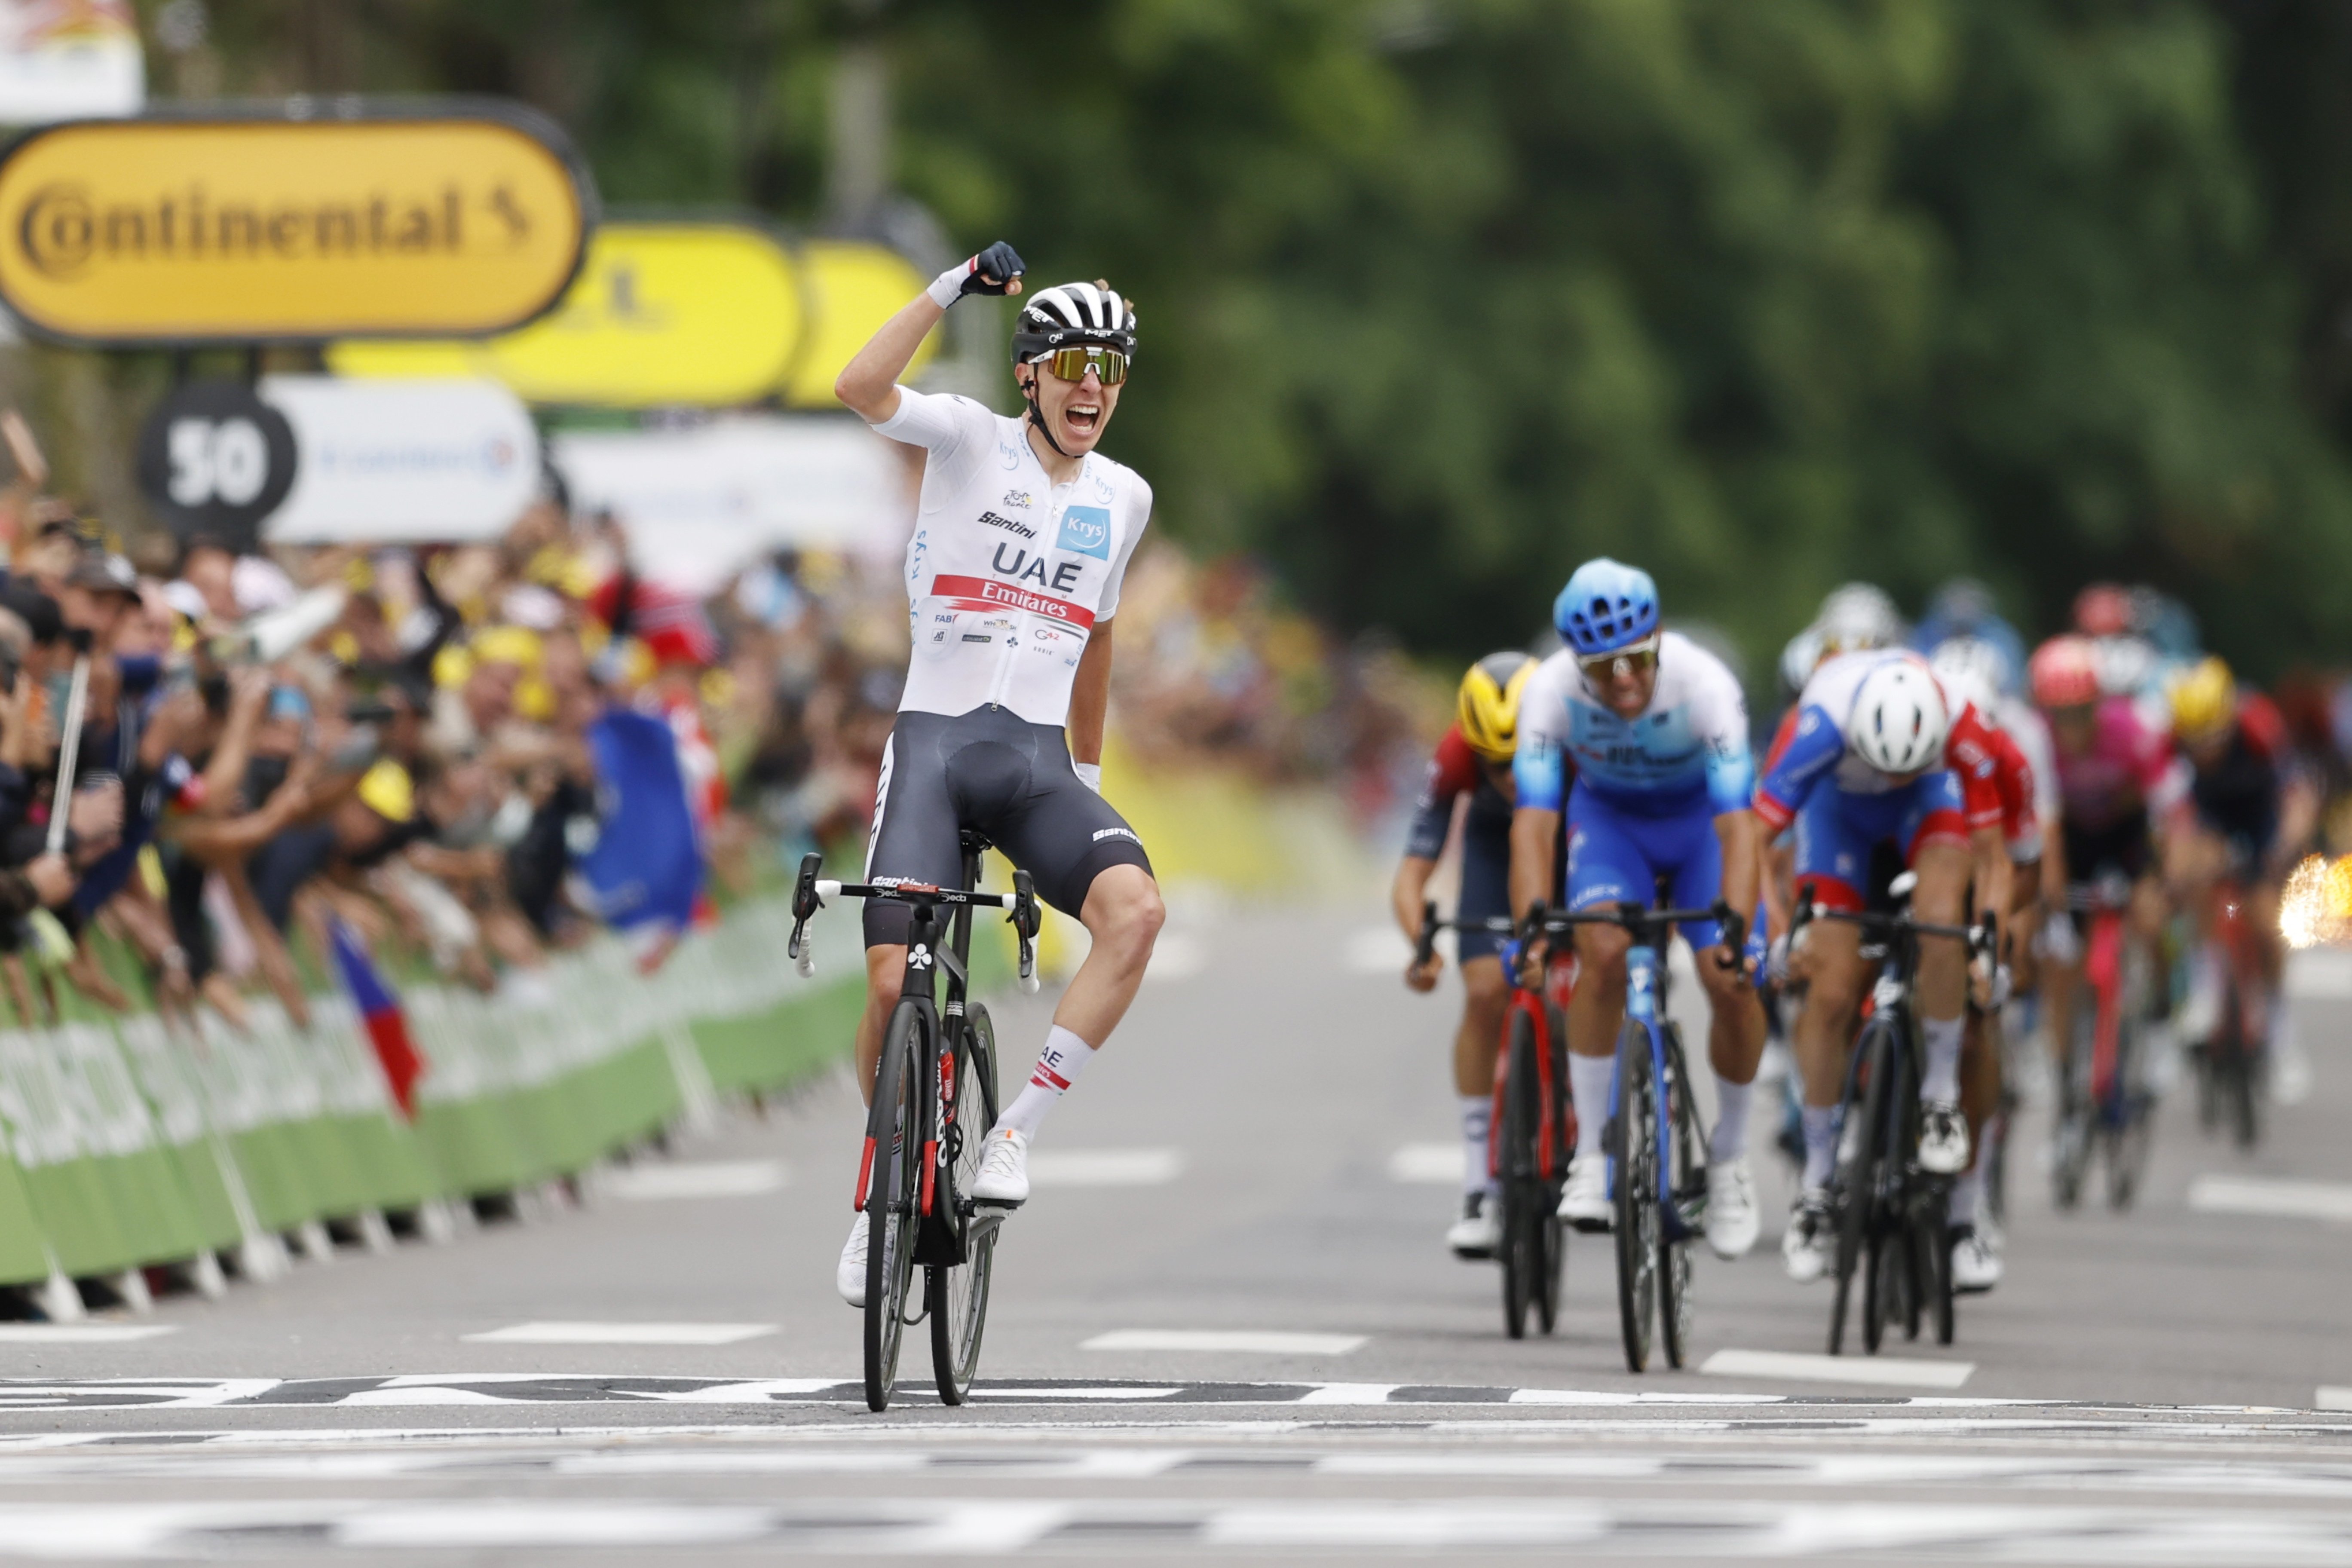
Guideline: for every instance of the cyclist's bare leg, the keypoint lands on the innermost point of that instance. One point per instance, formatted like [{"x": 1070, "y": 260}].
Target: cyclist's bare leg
[
  {"x": 1835, "y": 976},
  {"x": 1979, "y": 1079},
  {"x": 886, "y": 971},
  {"x": 1943, "y": 867},
  {"x": 1123, "y": 914},
  {"x": 1488, "y": 998},
  {"x": 1596, "y": 1010},
  {"x": 1735, "y": 1034}
]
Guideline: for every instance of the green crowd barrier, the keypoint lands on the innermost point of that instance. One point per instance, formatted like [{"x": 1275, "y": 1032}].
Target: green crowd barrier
[{"x": 147, "y": 1140}]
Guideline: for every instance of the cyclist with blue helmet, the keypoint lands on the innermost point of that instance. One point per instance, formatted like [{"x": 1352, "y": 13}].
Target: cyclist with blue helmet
[{"x": 1655, "y": 730}]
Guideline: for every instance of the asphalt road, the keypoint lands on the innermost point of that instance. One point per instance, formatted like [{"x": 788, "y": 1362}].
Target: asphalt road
[{"x": 2142, "y": 1387}]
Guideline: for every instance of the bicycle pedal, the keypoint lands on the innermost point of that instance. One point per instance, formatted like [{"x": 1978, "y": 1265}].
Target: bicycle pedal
[{"x": 1003, "y": 1206}]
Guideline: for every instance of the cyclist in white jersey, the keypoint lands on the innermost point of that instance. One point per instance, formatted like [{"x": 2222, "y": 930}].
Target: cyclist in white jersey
[{"x": 1013, "y": 579}]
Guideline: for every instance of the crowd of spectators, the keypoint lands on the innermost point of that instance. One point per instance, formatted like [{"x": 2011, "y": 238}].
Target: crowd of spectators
[{"x": 398, "y": 740}]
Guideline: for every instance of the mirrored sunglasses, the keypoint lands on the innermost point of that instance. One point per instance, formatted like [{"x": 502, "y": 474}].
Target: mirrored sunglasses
[
  {"x": 1640, "y": 658},
  {"x": 1070, "y": 364}
]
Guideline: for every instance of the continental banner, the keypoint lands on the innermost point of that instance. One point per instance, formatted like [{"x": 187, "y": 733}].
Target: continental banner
[{"x": 458, "y": 220}]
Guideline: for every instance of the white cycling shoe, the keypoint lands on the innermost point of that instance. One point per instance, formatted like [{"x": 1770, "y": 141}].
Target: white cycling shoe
[
  {"x": 1584, "y": 1203},
  {"x": 1479, "y": 1231},
  {"x": 1806, "y": 1245},
  {"x": 850, "y": 1277},
  {"x": 1975, "y": 1267},
  {"x": 1732, "y": 1221},
  {"x": 1004, "y": 1179},
  {"x": 1943, "y": 1139}
]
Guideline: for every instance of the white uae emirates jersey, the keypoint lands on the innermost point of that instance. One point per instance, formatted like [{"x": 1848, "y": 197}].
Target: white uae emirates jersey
[{"x": 1007, "y": 574}]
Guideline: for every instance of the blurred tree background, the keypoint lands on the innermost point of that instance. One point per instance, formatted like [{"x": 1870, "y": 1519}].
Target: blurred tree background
[{"x": 1439, "y": 297}]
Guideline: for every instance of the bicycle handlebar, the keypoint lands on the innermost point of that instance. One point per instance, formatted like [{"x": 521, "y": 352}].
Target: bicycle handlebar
[
  {"x": 810, "y": 891},
  {"x": 1983, "y": 937}
]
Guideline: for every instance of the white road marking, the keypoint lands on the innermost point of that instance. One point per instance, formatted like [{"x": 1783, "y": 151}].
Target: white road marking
[
  {"x": 1104, "y": 1167},
  {"x": 2270, "y": 1195},
  {"x": 703, "y": 1179},
  {"x": 1177, "y": 955},
  {"x": 1246, "y": 1342},
  {"x": 937, "y": 1527},
  {"x": 1431, "y": 1164},
  {"x": 81, "y": 1333},
  {"x": 622, "y": 1334},
  {"x": 1892, "y": 1372},
  {"x": 2332, "y": 1397}
]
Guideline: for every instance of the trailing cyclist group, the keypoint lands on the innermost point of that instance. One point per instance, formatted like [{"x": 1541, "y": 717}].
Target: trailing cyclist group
[{"x": 1959, "y": 872}]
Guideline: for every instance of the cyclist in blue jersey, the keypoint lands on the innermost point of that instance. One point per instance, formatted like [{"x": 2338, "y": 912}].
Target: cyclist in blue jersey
[{"x": 1655, "y": 729}]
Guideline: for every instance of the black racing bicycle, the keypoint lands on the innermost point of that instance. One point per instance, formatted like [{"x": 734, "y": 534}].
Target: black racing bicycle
[
  {"x": 934, "y": 1101},
  {"x": 1892, "y": 1217}
]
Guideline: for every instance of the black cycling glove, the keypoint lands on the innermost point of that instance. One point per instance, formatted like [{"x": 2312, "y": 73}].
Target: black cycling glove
[{"x": 989, "y": 272}]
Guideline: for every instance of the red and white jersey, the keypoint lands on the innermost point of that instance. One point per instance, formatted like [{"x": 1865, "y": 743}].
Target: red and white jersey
[{"x": 1007, "y": 572}]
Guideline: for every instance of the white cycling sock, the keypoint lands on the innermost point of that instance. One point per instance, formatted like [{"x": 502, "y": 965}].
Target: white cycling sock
[
  {"x": 1730, "y": 1140},
  {"x": 1967, "y": 1192},
  {"x": 1820, "y": 1145},
  {"x": 1058, "y": 1066},
  {"x": 1588, "y": 1085},
  {"x": 1478, "y": 1111},
  {"x": 1942, "y": 1079}
]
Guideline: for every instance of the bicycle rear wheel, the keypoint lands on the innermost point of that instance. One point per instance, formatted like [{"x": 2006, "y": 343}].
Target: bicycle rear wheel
[
  {"x": 1634, "y": 1156},
  {"x": 958, "y": 1292},
  {"x": 2240, "y": 1081},
  {"x": 1934, "y": 1228},
  {"x": 1854, "y": 1184},
  {"x": 1522, "y": 1184},
  {"x": 2072, "y": 1134},
  {"x": 893, "y": 1127}
]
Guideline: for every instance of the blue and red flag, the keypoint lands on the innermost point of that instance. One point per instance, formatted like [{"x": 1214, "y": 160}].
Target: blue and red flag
[
  {"x": 387, "y": 1026},
  {"x": 647, "y": 866}
]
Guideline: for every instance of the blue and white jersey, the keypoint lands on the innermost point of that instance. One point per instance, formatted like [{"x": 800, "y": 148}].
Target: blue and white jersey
[{"x": 1686, "y": 751}]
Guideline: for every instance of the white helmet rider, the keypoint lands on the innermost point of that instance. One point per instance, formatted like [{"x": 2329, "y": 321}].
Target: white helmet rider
[{"x": 1899, "y": 721}]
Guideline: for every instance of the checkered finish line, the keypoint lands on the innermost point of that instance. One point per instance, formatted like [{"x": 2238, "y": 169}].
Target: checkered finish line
[{"x": 451, "y": 1389}]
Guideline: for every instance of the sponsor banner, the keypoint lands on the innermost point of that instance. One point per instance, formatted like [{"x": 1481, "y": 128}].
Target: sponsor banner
[
  {"x": 415, "y": 461},
  {"x": 260, "y": 225},
  {"x": 662, "y": 314},
  {"x": 69, "y": 60},
  {"x": 700, "y": 504}
]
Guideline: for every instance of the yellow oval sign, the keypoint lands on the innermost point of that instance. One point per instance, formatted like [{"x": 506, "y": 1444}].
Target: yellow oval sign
[
  {"x": 853, "y": 286},
  {"x": 661, "y": 313},
  {"x": 173, "y": 230}
]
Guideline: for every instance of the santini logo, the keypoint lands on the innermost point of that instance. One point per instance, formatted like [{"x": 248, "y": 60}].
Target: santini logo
[
  {"x": 998, "y": 520},
  {"x": 1126, "y": 832}
]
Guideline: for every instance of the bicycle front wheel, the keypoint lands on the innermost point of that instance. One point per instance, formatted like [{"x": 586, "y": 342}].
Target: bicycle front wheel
[
  {"x": 959, "y": 1291},
  {"x": 1687, "y": 1173},
  {"x": 1524, "y": 1211},
  {"x": 895, "y": 1129},
  {"x": 1634, "y": 1148},
  {"x": 1854, "y": 1184}
]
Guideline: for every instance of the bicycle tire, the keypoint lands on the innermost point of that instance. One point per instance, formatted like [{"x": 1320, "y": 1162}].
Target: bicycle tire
[
  {"x": 958, "y": 1292},
  {"x": 1687, "y": 1183},
  {"x": 1855, "y": 1182},
  {"x": 2234, "y": 1059},
  {"x": 2073, "y": 1131},
  {"x": 1936, "y": 1232},
  {"x": 1552, "y": 1277},
  {"x": 1633, "y": 1152},
  {"x": 896, "y": 1124},
  {"x": 1522, "y": 1184}
]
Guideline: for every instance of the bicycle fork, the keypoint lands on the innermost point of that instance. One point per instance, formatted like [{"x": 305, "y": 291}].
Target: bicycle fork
[{"x": 1641, "y": 1008}]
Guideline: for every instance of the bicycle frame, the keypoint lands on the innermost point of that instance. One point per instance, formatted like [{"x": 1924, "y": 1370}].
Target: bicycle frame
[{"x": 1555, "y": 1134}]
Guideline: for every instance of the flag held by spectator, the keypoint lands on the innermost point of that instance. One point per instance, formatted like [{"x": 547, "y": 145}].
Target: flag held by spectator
[
  {"x": 387, "y": 1026},
  {"x": 647, "y": 865}
]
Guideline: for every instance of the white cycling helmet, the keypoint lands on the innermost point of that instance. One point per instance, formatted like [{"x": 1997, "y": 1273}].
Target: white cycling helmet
[
  {"x": 1899, "y": 719},
  {"x": 1859, "y": 615},
  {"x": 1974, "y": 667}
]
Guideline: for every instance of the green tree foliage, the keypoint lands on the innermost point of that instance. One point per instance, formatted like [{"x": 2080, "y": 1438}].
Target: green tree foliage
[{"x": 1439, "y": 297}]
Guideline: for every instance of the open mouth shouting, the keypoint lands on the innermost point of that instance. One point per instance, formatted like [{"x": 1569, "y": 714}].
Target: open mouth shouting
[{"x": 1083, "y": 417}]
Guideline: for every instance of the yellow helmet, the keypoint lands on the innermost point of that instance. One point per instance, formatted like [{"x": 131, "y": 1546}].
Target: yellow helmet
[
  {"x": 2204, "y": 699},
  {"x": 1489, "y": 706}
]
